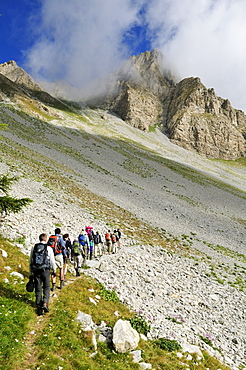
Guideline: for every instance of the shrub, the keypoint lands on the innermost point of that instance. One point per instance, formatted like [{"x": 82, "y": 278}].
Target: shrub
[
  {"x": 139, "y": 323},
  {"x": 169, "y": 345},
  {"x": 108, "y": 295}
]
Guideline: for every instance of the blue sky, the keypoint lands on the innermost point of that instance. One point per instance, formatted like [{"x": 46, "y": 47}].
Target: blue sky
[{"x": 79, "y": 41}]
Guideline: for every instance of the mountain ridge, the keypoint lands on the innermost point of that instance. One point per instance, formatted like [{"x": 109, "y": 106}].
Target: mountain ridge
[{"x": 146, "y": 93}]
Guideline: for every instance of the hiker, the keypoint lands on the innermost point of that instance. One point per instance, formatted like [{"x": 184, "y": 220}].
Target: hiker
[
  {"x": 89, "y": 231},
  {"x": 77, "y": 256},
  {"x": 91, "y": 246},
  {"x": 84, "y": 242},
  {"x": 119, "y": 237},
  {"x": 114, "y": 238},
  {"x": 97, "y": 245},
  {"x": 108, "y": 241},
  {"x": 41, "y": 262},
  {"x": 66, "y": 253},
  {"x": 57, "y": 243}
]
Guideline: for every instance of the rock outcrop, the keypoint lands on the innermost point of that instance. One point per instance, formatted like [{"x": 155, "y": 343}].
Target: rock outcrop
[
  {"x": 15, "y": 82},
  {"x": 190, "y": 114},
  {"x": 18, "y": 75},
  {"x": 195, "y": 118},
  {"x": 138, "y": 89}
]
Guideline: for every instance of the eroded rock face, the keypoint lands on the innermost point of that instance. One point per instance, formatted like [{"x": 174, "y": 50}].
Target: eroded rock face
[
  {"x": 137, "y": 106},
  {"x": 195, "y": 118},
  {"x": 18, "y": 75},
  {"x": 192, "y": 115}
]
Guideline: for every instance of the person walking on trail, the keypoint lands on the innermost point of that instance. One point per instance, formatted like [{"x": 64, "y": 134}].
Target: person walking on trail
[
  {"x": 78, "y": 255},
  {"x": 57, "y": 243},
  {"x": 108, "y": 241},
  {"x": 42, "y": 261},
  {"x": 119, "y": 237},
  {"x": 91, "y": 246},
  {"x": 114, "y": 238},
  {"x": 84, "y": 242},
  {"x": 66, "y": 253},
  {"x": 97, "y": 244}
]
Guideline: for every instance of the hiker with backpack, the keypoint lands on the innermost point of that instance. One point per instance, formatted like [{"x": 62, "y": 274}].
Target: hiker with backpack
[
  {"x": 114, "y": 238},
  {"x": 41, "y": 262},
  {"x": 91, "y": 246},
  {"x": 57, "y": 243},
  {"x": 78, "y": 256},
  {"x": 108, "y": 241},
  {"x": 66, "y": 253},
  {"x": 97, "y": 245},
  {"x": 119, "y": 237},
  {"x": 84, "y": 242},
  {"x": 89, "y": 231}
]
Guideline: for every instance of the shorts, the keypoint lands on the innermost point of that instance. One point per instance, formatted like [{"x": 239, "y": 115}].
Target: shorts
[{"x": 59, "y": 261}]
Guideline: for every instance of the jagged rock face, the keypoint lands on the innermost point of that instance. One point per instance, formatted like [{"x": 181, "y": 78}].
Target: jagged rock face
[
  {"x": 195, "y": 118},
  {"x": 137, "y": 106},
  {"x": 192, "y": 115},
  {"x": 149, "y": 71},
  {"x": 18, "y": 75},
  {"x": 143, "y": 82},
  {"x": 15, "y": 81},
  {"x": 144, "y": 92}
]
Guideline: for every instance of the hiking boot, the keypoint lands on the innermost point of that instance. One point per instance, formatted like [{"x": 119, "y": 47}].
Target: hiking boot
[
  {"x": 39, "y": 310},
  {"x": 53, "y": 287},
  {"x": 45, "y": 307}
]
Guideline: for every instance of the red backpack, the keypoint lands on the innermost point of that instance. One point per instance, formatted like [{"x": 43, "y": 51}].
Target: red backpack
[
  {"x": 107, "y": 236},
  {"x": 54, "y": 243},
  {"x": 113, "y": 237}
]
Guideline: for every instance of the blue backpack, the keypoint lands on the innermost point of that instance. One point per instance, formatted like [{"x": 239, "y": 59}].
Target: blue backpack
[{"x": 82, "y": 239}]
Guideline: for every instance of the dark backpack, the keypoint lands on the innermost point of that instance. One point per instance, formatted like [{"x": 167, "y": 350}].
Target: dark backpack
[
  {"x": 96, "y": 239},
  {"x": 54, "y": 243},
  {"x": 40, "y": 259},
  {"x": 82, "y": 239}
]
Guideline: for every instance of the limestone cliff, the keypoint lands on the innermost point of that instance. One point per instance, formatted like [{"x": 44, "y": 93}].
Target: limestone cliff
[
  {"x": 142, "y": 83},
  {"x": 195, "y": 118},
  {"x": 18, "y": 75},
  {"x": 24, "y": 85},
  {"x": 190, "y": 114}
]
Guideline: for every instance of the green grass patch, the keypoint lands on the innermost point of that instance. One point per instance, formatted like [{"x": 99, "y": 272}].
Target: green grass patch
[{"x": 16, "y": 306}]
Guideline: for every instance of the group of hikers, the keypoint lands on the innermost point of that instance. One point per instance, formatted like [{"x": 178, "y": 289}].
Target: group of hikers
[{"x": 58, "y": 251}]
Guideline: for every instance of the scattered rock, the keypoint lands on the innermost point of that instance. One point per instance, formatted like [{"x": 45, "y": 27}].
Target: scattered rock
[{"x": 4, "y": 253}]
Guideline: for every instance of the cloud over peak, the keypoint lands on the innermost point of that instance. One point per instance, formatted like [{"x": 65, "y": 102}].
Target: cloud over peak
[{"x": 80, "y": 41}]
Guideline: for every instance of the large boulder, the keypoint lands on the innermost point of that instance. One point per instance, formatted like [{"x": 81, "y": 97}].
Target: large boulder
[{"x": 125, "y": 338}]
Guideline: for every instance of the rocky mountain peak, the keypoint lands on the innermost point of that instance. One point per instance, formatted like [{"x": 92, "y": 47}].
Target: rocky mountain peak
[
  {"x": 18, "y": 75},
  {"x": 16, "y": 82},
  {"x": 145, "y": 92},
  {"x": 150, "y": 71},
  {"x": 192, "y": 115}
]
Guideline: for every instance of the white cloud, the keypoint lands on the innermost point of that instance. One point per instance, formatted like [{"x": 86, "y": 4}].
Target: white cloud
[
  {"x": 204, "y": 38},
  {"x": 82, "y": 40}
]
